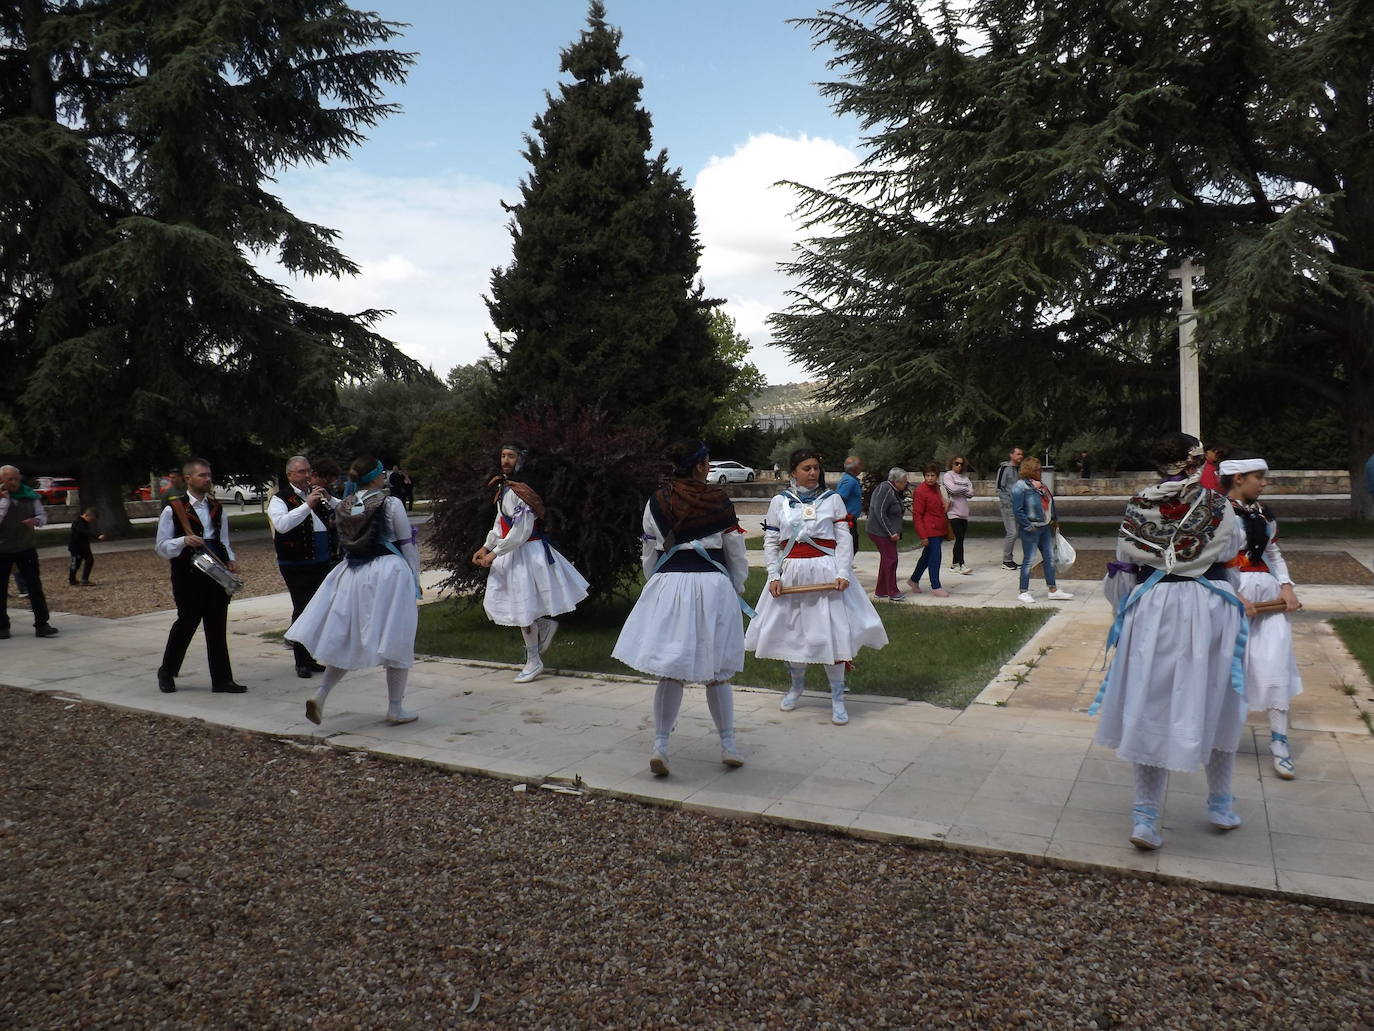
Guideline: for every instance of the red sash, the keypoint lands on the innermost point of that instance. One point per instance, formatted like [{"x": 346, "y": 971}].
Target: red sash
[
  {"x": 805, "y": 549},
  {"x": 1243, "y": 563}
]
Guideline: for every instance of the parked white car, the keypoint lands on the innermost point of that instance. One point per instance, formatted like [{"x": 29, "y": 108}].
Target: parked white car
[
  {"x": 241, "y": 491},
  {"x": 730, "y": 472}
]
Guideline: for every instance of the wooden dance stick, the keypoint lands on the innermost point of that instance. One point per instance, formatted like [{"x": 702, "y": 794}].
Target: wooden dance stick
[
  {"x": 808, "y": 588},
  {"x": 1268, "y": 608}
]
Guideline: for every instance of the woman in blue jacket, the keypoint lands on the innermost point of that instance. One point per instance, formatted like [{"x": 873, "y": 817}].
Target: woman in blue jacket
[{"x": 1032, "y": 505}]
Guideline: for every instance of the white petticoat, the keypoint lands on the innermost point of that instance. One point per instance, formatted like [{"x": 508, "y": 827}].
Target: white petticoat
[
  {"x": 824, "y": 626},
  {"x": 685, "y": 626},
  {"x": 523, "y": 585},
  {"x": 1271, "y": 669},
  {"x": 1169, "y": 698},
  {"x": 362, "y": 616}
]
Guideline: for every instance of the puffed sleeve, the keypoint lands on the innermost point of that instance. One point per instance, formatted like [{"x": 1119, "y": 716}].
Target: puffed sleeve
[
  {"x": 652, "y": 546},
  {"x": 736, "y": 558},
  {"x": 1273, "y": 558},
  {"x": 844, "y": 543},
  {"x": 772, "y": 559},
  {"x": 522, "y": 524},
  {"x": 402, "y": 533}
]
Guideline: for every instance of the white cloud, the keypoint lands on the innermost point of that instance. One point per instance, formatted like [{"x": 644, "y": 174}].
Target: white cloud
[
  {"x": 425, "y": 248},
  {"x": 747, "y": 228},
  {"x": 426, "y": 245}
]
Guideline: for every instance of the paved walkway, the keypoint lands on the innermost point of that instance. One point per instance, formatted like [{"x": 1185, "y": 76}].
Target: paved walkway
[{"x": 1015, "y": 773}]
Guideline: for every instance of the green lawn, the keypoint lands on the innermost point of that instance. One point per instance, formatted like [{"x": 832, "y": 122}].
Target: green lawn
[
  {"x": 943, "y": 656},
  {"x": 1358, "y": 634}
]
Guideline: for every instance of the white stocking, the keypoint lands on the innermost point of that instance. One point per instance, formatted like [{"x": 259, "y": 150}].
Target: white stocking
[
  {"x": 531, "y": 635},
  {"x": 667, "y": 703},
  {"x": 332, "y": 675},
  {"x": 1150, "y": 782},
  {"x": 835, "y": 675},
  {"x": 798, "y": 671},
  {"x": 720, "y": 699},
  {"x": 396, "y": 678},
  {"x": 1278, "y": 725},
  {"x": 1219, "y": 767}
]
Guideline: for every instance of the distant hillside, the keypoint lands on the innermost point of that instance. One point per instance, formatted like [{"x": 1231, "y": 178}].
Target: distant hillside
[{"x": 797, "y": 400}]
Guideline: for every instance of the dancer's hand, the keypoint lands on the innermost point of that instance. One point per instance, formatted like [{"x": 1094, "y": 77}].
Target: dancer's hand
[
  {"x": 1249, "y": 608},
  {"x": 841, "y": 583},
  {"x": 478, "y": 555},
  {"x": 775, "y": 588},
  {"x": 233, "y": 567},
  {"x": 1290, "y": 596},
  {"x": 486, "y": 560}
]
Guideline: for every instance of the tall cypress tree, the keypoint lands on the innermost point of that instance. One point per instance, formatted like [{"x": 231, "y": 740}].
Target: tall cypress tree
[
  {"x": 1033, "y": 170},
  {"x": 601, "y": 302},
  {"x": 137, "y": 143}
]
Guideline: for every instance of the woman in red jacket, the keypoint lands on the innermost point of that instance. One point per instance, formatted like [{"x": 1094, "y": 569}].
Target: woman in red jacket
[{"x": 928, "y": 517}]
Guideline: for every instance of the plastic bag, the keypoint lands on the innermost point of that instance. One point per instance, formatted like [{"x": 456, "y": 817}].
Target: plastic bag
[{"x": 1064, "y": 554}]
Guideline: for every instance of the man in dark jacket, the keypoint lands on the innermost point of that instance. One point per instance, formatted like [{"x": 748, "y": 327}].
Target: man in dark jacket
[{"x": 21, "y": 513}]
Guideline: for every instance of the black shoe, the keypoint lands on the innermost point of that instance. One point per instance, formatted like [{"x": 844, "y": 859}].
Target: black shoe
[
  {"x": 166, "y": 683},
  {"x": 4, "y": 633},
  {"x": 314, "y": 667},
  {"x": 1010, "y": 565},
  {"x": 71, "y": 583},
  {"x": 46, "y": 630},
  {"x": 303, "y": 672},
  {"x": 229, "y": 688}
]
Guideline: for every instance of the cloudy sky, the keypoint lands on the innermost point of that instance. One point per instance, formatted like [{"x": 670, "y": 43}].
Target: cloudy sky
[{"x": 729, "y": 85}]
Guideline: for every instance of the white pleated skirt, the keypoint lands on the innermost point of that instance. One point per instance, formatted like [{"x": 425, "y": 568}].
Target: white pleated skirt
[
  {"x": 1271, "y": 668},
  {"x": 362, "y": 616},
  {"x": 825, "y": 627},
  {"x": 685, "y": 626},
  {"x": 523, "y": 585},
  {"x": 1169, "y": 698}
]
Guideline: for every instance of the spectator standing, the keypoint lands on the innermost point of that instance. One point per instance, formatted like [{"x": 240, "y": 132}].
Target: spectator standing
[
  {"x": 851, "y": 492},
  {"x": 960, "y": 489},
  {"x": 79, "y": 552},
  {"x": 21, "y": 513},
  {"x": 885, "y": 530},
  {"x": 396, "y": 480},
  {"x": 1036, "y": 518},
  {"x": 1007, "y": 474},
  {"x": 1085, "y": 466},
  {"x": 931, "y": 523},
  {"x": 301, "y": 540},
  {"x": 1209, "y": 477},
  {"x": 199, "y": 600},
  {"x": 176, "y": 488}
]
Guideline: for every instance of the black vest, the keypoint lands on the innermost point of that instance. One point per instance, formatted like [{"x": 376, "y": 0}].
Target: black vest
[
  {"x": 297, "y": 545},
  {"x": 181, "y": 503}
]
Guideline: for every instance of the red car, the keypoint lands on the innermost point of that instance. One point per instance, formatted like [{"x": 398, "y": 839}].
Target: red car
[{"x": 54, "y": 489}]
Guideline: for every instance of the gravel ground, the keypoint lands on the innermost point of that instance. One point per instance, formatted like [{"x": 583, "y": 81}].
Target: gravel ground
[{"x": 165, "y": 874}]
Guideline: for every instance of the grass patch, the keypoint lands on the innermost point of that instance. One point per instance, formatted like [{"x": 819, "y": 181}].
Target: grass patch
[
  {"x": 1357, "y": 632},
  {"x": 1321, "y": 529},
  {"x": 942, "y": 656}
]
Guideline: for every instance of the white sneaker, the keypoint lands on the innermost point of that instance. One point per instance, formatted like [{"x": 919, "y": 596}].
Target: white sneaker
[
  {"x": 1058, "y": 595},
  {"x": 966, "y": 570},
  {"x": 531, "y": 670},
  {"x": 396, "y": 715},
  {"x": 658, "y": 762},
  {"x": 546, "y": 631},
  {"x": 790, "y": 700},
  {"x": 729, "y": 756},
  {"x": 1027, "y": 597}
]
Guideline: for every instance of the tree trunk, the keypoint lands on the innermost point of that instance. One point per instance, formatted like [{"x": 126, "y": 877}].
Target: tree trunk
[
  {"x": 42, "y": 94},
  {"x": 1361, "y": 450},
  {"x": 101, "y": 487}
]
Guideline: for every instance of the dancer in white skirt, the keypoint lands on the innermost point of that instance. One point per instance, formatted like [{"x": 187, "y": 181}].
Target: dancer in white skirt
[
  {"x": 1173, "y": 697},
  {"x": 364, "y": 613},
  {"x": 1271, "y": 668},
  {"x": 806, "y": 543},
  {"x": 530, "y": 581},
  {"x": 687, "y": 625}
]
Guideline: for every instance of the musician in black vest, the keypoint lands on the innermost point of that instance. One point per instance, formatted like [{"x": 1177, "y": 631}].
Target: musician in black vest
[
  {"x": 199, "y": 599},
  {"x": 326, "y": 474},
  {"x": 301, "y": 538},
  {"x": 21, "y": 513}
]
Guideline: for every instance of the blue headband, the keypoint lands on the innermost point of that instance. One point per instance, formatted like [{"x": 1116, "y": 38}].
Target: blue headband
[
  {"x": 696, "y": 456},
  {"x": 352, "y": 487}
]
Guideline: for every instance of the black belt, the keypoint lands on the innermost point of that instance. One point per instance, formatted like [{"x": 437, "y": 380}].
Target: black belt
[
  {"x": 1216, "y": 571},
  {"x": 689, "y": 560}
]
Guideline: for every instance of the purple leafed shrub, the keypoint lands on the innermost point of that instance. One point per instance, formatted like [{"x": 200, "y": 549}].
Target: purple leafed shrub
[{"x": 594, "y": 478}]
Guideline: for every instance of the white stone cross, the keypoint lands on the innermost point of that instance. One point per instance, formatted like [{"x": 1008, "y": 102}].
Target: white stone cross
[{"x": 1190, "y": 400}]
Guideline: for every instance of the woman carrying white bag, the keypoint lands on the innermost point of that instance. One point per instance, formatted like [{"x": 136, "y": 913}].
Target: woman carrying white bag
[{"x": 1032, "y": 505}]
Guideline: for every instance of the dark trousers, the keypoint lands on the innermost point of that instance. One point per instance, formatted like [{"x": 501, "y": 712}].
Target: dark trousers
[
  {"x": 301, "y": 583},
  {"x": 960, "y": 528},
  {"x": 887, "y": 566},
  {"x": 78, "y": 559},
  {"x": 929, "y": 562},
  {"x": 25, "y": 564},
  {"x": 200, "y": 601}
]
